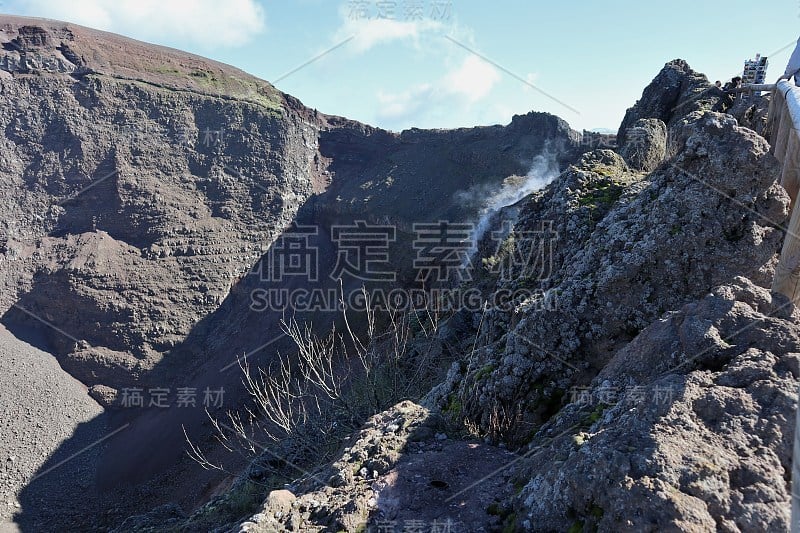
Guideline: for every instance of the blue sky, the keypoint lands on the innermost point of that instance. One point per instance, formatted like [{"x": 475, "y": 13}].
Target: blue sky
[{"x": 439, "y": 63}]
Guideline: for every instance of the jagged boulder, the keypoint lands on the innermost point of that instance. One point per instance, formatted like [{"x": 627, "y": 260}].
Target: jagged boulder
[
  {"x": 400, "y": 471},
  {"x": 645, "y": 144},
  {"x": 751, "y": 111},
  {"x": 689, "y": 427},
  {"x": 341, "y": 496},
  {"x": 675, "y": 92},
  {"x": 701, "y": 220}
]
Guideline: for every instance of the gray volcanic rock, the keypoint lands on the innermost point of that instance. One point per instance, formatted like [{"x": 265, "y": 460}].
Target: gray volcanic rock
[
  {"x": 399, "y": 470},
  {"x": 645, "y": 144},
  {"x": 140, "y": 185},
  {"x": 751, "y": 111},
  {"x": 651, "y": 387},
  {"x": 674, "y": 93},
  {"x": 138, "y": 191},
  {"x": 140, "y": 243},
  {"x": 667, "y": 240},
  {"x": 641, "y": 401},
  {"x": 688, "y": 427}
]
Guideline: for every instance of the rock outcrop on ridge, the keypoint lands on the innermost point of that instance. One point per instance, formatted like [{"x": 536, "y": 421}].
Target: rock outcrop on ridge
[
  {"x": 140, "y": 186},
  {"x": 655, "y": 387},
  {"x": 635, "y": 247},
  {"x": 647, "y": 382},
  {"x": 142, "y": 183},
  {"x": 690, "y": 426},
  {"x": 645, "y": 144}
]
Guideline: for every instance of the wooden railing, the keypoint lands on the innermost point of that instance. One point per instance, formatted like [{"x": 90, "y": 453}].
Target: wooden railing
[
  {"x": 784, "y": 135},
  {"x": 783, "y": 130}
]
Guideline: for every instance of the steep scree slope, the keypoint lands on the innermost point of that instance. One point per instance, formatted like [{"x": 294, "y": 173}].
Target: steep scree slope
[
  {"x": 138, "y": 187},
  {"x": 654, "y": 390}
]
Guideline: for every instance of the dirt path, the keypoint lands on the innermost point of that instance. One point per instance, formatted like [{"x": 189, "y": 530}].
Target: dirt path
[{"x": 453, "y": 484}]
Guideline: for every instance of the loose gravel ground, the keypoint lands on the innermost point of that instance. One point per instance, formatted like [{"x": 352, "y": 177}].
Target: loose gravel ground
[{"x": 41, "y": 406}]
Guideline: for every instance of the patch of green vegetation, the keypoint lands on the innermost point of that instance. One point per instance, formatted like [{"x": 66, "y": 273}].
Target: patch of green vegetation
[
  {"x": 494, "y": 509},
  {"x": 203, "y": 75},
  {"x": 454, "y": 406},
  {"x": 484, "y": 372},
  {"x": 597, "y": 413},
  {"x": 576, "y": 527},
  {"x": 530, "y": 283},
  {"x": 242, "y": 500},
  {"x": 603, "y": 195},
  {"x": 235, "y": 88},
  {"x": 596, "y": 512},
  {"x": 261, "y": 100},
  {"x": 605, "y": 170},
  {"x": 212, "y": 87},
  {"x": 510, "y": 523},
  {"x": 591, "y": 418},
  {"x": 675, "y": 229},
  {"x": 164, "y": 69}
]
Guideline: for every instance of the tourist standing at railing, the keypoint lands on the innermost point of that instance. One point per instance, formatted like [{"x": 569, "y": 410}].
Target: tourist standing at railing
[{"x": 793, "y": 68}]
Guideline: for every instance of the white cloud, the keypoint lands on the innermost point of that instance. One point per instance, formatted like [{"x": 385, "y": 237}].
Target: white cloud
[
  {"x": 531, "y": 79},
  {"x": 473, "y": 79},
  {"x": 207, "y": 23},
  {"x": 455, "y": 92},
  {"x": 399, "y": 105},
  {"x": 369, "y": 32}
]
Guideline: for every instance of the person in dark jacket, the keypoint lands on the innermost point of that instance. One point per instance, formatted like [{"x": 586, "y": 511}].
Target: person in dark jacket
[
  {"x": 727, "y": 95},
  {"x": 735, "y": 83}
]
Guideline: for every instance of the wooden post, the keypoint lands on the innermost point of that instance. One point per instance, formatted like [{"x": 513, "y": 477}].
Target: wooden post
[
  {"x": 790, "y": 174},
  {"x": 777, "y": 109},
  {"x": 795, "y": 527},
  {"x": 782, "y": 135},
  {"x": 787, "y": 272},
  {"x": 795, "y": 517}
]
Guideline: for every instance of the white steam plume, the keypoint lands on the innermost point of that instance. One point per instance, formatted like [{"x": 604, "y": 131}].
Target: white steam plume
[{"x": 543, "y": 170}]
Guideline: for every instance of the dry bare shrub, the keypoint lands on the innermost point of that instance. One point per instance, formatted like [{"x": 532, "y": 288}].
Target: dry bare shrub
[{"x": 304, "y": 406}]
